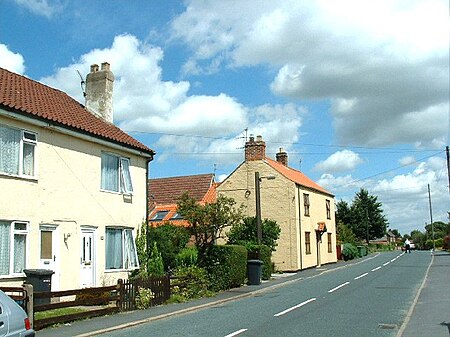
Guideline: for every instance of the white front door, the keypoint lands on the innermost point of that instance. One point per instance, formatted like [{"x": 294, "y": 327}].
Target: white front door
[
  {"x": 49, "y": 258},
  {"x": 87, "y": 259}
]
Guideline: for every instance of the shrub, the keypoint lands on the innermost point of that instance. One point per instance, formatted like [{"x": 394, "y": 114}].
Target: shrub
[
  {"x": 193, "y": 283},
  {"x": 227, "y": 266},
  {"x": 446, "y": 243},
  {"x": 265, "y": 257},
  {"x": 187, "y": 257},
  {"x": 349, "y": 251},
  {"x": 155, "y": 265},
  {"x": 144, "y": 298}
]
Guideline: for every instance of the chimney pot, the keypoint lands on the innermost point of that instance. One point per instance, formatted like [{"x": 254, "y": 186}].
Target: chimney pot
[
  {"x": 94, "y": 68},
  {"x": 105, "y": 66}
]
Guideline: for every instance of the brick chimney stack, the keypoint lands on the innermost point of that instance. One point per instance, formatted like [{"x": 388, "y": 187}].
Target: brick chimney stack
[
  {"x": 99, "y": 92},
  {"x": 282, "y": 157},
  {"x": 255, "y": 150}
]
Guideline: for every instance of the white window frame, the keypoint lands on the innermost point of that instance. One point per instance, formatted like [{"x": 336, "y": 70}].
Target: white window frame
[
  {"x": 124, "y": 175},
  {"x": 124, "y": 253},
  {"x": 12, "y": 232},
  {"x": 26, "y": 138}
]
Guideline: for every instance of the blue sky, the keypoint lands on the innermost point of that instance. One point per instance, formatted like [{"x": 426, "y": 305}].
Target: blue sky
[{"x": 356, "y": 91}]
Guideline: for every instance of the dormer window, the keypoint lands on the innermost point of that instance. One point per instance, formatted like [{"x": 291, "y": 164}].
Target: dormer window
[{"x": 116, "y": 175}]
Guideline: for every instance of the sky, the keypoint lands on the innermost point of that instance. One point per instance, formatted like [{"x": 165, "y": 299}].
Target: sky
[{"x": 355, "y": 91}]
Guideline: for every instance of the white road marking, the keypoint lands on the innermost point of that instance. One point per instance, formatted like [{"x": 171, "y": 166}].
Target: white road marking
[
  {"x": 393, "y": 260},
  {"x": 360, "y": 276},
  {"x": 385, "y": 264},
  {"x": 236, "y": 333},
  {"x": 375, "y": 269},
  {"x": 338, "y": 287},
  {"x": 295, "y": 307}
]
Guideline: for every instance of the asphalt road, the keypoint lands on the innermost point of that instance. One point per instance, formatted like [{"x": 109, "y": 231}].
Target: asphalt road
[{"x": 369, "y": 298}]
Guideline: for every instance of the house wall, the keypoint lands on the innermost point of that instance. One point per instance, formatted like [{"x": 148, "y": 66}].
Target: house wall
[
  {"x": 280, "y": 202},
  {"x": 66, "y": 194}
]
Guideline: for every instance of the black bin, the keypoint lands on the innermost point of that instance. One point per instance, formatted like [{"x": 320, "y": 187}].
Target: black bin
[
  {"x": 41, "y": 280},
  {"x": 254, "y": 268}
]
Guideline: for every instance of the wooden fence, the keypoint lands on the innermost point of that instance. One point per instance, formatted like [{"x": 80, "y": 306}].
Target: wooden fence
[{"x": 96, "y": 301}]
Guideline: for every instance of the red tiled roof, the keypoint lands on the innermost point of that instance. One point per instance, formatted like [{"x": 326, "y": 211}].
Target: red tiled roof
[
  {"x": 296, "y": 176},
  {"x": 24, "y": 96},
  {"x": 168, "y": 190}
]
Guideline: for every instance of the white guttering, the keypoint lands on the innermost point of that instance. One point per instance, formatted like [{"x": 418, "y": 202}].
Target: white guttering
[{"x": 75, "y": 134}]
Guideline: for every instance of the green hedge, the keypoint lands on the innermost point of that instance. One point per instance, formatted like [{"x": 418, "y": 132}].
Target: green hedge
[
  {"x": 266, "y": 255},
  {"x": 349, "y": 251},
  {"x": 226, "y": 266}
]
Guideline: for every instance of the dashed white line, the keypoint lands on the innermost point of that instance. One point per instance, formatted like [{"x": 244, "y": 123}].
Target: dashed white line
[
  {"x": 385, "y": 264},
  {"x": 236, "y": 333},
  {"x": 360, "y": 276},
  {"x": 338, "y": 287},
  {"x": 294, "y": 307},
  {"x": 375, "y": 269}
]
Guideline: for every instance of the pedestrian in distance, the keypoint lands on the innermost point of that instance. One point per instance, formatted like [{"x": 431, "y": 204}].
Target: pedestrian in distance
[{"x": 407, "y": 246}]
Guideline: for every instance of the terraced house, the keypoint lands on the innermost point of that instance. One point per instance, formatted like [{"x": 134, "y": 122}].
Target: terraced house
[
  {"x": 303, "y": 209},
  {"x": 74, "y": 186}
]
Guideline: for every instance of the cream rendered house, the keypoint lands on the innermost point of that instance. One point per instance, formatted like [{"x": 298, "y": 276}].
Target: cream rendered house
[
  {"x": 73, "y": 185},
  {"x": 302, "y": 208}
]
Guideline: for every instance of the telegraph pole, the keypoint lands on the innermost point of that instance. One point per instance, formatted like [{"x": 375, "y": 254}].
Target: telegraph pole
[
  {"x": 448, "y": 166},
  {"x": 431, "y": 217}
]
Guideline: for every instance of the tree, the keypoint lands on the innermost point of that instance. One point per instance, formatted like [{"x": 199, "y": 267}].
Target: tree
[
  {"x": 441, "y": 230},
  {"x": 155, "y": 265},
  {"x": 208, "y": 222},
  {"x": 364, "y": 217},
  {"x": 245, "y": 232},
  {"x": 345, "y": 234}
]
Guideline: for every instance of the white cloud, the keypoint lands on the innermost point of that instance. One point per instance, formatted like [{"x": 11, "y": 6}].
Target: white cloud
[
  {"x": 408, "y": 160},
  {"x": 46, "y": 8},
  {"x": 388, "y": 83},
  {"x": 340, "y": 161},
  {"x": 12, "y": 61}
]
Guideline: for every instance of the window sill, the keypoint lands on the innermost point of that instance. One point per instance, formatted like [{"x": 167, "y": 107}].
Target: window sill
[
  {"x": 118, "y": 193},
  {"x": 13, "y": 276},
  {"x": 120, "y": 270},
  {"x": 13, "y": 176}
]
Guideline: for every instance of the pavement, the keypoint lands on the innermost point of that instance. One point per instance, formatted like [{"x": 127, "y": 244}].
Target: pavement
[{"x": 429, "y": 314}]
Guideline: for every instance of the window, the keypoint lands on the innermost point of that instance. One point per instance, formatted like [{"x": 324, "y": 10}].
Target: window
[
  {"x": 328, "y": 207},
  {"x": 306, "y": 203},
  {"x": 17, "y": 152},
  {"x": 13, "y": 243},
  {"x": 120, "y": 249},
  {"x": 176, "y": 216},
  {"x": 308, "y": 242},
  {"x": 159, "y": 215},
  {"x": 116, "y": 174},
  {"x": 330, "y": 246}
]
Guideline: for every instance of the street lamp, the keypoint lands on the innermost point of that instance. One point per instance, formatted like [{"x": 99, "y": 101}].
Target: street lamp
[{"x": 258, "y": 204}]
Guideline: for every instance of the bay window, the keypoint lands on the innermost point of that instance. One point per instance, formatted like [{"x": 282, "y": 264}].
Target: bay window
[
  {"x": 13, "y": 243},
  {"x": 17, "y": 151},
  {"x": 120, "y": 249}
]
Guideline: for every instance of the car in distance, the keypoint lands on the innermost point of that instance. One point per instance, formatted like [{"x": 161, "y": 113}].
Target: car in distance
[{"x": 14, "y": 322}]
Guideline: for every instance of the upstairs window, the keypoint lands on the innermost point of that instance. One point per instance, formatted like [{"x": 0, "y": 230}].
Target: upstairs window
[
  {"x": 13, "y": 243},
  {"x": 116, "y": 175},
  {"x": 17, "y": 151},
  {"x": 306, "y": 203},
  {"x": 328, "y": 208},
  {"x": 176, "y": 216}
]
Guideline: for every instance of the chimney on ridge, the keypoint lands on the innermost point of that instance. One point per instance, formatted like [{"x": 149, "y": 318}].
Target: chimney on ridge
[
  {"x": 282, "y": 157},
  {"x": 255, "y": 150},
  {"x": 99, "y": 92}
]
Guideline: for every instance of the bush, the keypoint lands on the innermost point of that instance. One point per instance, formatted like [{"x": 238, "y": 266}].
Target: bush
[
  {"x": 155, "y": 265},
  {"x": 446, "y": 243},
  {"x": 265, "y": 257},
  {"x": 187, "y": 257},
  {"x": 227, "y": 266},
  {"x": 349, "y": 252},
  {"x": 193, "y": 283},
  {"x": 144, "y": 298}
]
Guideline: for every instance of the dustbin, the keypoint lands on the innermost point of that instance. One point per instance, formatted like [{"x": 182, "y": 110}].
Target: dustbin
[
  {"x": 254, "y": 268},
  {"x": 41, "y": 280}
]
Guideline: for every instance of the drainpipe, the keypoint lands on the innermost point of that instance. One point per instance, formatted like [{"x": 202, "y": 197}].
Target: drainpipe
[
  {"x": 300, "y": 226},
  {"x": 147, "y": 209}
]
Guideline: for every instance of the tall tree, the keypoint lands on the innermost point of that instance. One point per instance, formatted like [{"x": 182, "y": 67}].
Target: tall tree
[
  {"x": 368, "y": 220},
  {"x": 208, "y": 222},
  {"x": 343, "y": 213}
]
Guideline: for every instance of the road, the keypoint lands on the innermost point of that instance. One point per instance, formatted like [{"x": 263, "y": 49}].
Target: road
[{"x": 368, "y": 298}]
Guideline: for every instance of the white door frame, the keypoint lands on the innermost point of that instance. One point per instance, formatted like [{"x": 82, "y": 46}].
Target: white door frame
[
  {"x": 88, "y": 256},
  {"x": 54, "y": 262}
]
